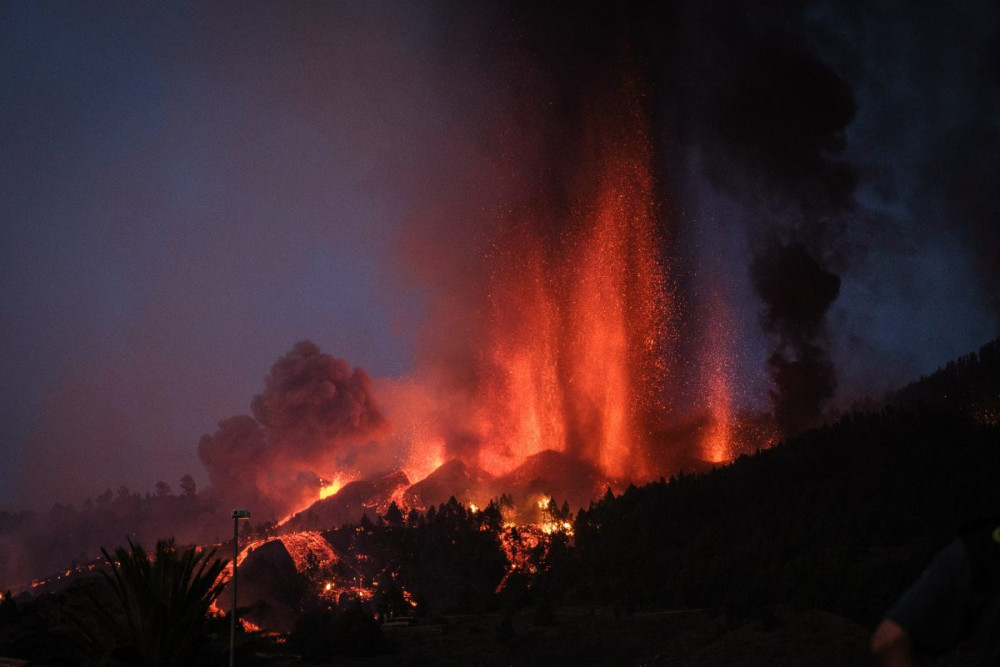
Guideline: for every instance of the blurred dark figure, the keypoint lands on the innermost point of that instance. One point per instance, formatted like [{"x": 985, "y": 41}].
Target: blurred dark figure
[{"x": 957, "y": 598}]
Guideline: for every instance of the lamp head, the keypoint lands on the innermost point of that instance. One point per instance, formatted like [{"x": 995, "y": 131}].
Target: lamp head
[{"x": 241, "y": 514}]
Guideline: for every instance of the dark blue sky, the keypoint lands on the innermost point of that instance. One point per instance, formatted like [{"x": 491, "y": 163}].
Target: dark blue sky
[
  {"x": 187, "y": 189},
  {"x": 175, "y": 216}
]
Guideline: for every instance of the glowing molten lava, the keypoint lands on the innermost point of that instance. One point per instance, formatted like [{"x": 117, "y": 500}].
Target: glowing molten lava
[
  {"x": 578, "y": 309},
  {"x": 330, "y": 488},
  {"x": 718, "y": 366}
]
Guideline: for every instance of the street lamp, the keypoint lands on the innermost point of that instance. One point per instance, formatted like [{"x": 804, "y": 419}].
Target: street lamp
[{"x": 237, "y": 515}]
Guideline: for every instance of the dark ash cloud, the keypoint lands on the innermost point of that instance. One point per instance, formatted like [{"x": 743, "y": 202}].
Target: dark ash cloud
[
  {"x": 316, "y": 417},
  {"x": 797, "y": 292}
]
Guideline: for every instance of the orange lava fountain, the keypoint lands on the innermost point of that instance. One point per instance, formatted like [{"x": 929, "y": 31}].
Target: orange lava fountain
[
  {"x": 574, "y": 354},
  {"x": 718, "y": 366}
]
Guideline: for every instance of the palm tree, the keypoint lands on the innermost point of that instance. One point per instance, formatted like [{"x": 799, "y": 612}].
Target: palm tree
[{"x": 160, "y": 611}]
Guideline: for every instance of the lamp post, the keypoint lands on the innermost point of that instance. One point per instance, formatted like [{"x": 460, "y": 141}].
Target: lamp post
[{"x": 237, "y": 515}]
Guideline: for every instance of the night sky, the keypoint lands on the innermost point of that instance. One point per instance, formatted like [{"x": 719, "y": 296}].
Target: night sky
[{"x": 189, "y": 189}]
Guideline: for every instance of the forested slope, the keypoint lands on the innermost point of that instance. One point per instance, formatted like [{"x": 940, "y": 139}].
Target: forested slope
[{"x": 840, "y": 518}]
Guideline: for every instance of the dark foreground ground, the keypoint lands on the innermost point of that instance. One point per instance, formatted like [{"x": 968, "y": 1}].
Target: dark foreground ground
[{"x": 780, "y": 636}]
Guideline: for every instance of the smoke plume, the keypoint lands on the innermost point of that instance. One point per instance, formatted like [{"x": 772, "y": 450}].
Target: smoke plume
[
  {"x": 769, "y": 124},
  {"x": 797, "y": 292},
  {"x": 233, "y": 456},
  {"x": 312, "y": 403},
  {"x": 316, "y": 418}
]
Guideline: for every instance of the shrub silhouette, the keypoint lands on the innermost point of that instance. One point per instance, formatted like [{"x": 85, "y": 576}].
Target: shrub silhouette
[{"x": 153, "y": 611}]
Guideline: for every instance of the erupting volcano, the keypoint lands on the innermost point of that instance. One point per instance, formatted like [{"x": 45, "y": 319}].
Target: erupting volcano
[
  {"x": 488, "y": 306},
  {"x": 559, "y": 384}
]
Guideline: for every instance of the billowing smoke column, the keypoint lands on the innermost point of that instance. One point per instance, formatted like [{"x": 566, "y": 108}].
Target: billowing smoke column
[
  {"x": 780, "y": 126},
  {"x": 313, "y": 402},
  {"x": 797, "y": 291},
  {"x": 316, "y": 417}
]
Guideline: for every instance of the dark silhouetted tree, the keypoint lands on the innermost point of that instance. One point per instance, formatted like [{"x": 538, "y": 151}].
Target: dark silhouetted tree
[{"x": 159, "y": 608}]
